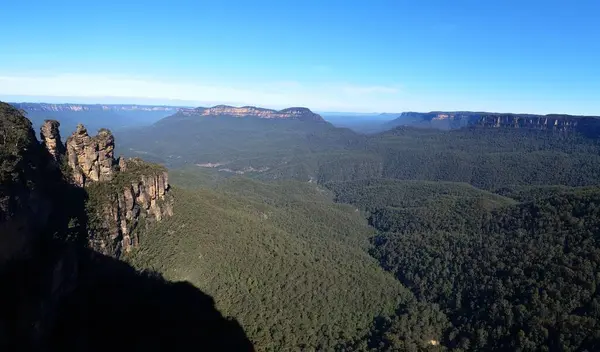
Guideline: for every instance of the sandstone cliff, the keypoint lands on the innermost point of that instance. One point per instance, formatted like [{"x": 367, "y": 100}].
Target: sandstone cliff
[
  {"x": 91, "y": 158},
  {"x": 50, "y": 136},
  {"x": 551, "y": 123},
  {"x": 587, "y": 125},
  {"x": 136, "y": 196}
]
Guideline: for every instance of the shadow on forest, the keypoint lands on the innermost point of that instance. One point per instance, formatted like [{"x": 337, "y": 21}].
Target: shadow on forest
[{"x": 58, "y": 295}]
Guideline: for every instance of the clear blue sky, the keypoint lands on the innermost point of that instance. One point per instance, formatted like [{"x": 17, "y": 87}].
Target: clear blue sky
[{"x": 495, "y": 55}]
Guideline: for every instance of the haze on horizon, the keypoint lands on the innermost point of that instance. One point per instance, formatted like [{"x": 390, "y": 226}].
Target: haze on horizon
[{"x": 376, "y": 56}]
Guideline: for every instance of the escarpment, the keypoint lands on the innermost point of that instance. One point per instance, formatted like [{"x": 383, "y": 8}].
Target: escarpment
[
  {"x": 586, "y": 125},
  {"x": 564, "y": 124},
  {"x": 122, "y": 194}
]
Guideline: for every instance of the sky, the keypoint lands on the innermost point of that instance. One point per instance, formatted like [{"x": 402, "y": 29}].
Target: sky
[{"x": 328, "y": 55}]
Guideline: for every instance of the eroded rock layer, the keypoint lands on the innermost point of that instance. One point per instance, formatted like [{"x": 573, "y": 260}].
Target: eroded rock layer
[{"x": 91, "y": 158}]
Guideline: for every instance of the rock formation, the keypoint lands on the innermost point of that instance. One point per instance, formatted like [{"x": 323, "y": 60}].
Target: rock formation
[
  {"x": 137, "y": 196},
  {"x": 121, "y": 194},
  {"x": 58, "y": 295},
  {"x": 91, "y": 158},
  {"x": 302, "y": 114},
  {"x": 50, "y": 137}
]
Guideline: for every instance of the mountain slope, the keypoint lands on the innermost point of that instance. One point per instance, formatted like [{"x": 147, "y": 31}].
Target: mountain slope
[
  {"x": 233, "y": 143},
  {"x": 58, "y": 294},
  {"x": 519, "y": 277},
  {"x": 284, "y": 260},
  {"x": 486, "y": 157},
  {"x": 508, "y": 275}
]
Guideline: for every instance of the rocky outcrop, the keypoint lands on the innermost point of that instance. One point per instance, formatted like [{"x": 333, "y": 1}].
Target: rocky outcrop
[
  {"x": 302, "y": 114},
  {"x": 58, "y": 295},
  {"x": 137, "y": 197},
  {"x": 50, "y": 137},
  {"x": 91, "y": 158},
  {"x": 122, "y": 195}
]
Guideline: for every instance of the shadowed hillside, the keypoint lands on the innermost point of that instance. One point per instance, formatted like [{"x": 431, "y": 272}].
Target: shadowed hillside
[{"x": 58, "y": 295}]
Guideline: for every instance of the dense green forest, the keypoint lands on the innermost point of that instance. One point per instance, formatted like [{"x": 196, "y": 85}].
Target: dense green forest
[
  {"x": 257, "y": 148},
  {"x": 508, "y": 275},
  {"x": 491, "y": 234},
  {"x": 290, "y": 265}
]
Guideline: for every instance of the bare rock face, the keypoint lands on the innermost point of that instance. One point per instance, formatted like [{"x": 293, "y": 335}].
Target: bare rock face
[
  {"x": 145, "y": 199},
  {"x": 50, "y": 137},
  {"x": 534, "y": 122},
  {"x": 124, "y": 193},
  {"x": 91, "y": 158},
  {"x": 139, "y": 197}
]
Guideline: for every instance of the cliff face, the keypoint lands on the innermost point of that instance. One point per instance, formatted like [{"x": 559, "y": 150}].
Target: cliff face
[
  {"x": 50, "y": 137},
  {"x": 137, "y": 196},
  {"x": 91, "y": 158},
  {"x": 302, "y": 114},
  {"x": 587, "y": 125},
  {"x": 121, "y": 195},
  {"x": 548, "y": 123}
]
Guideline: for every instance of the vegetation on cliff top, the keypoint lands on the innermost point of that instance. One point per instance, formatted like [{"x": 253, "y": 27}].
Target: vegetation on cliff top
[{"x": 16, "y": 142}]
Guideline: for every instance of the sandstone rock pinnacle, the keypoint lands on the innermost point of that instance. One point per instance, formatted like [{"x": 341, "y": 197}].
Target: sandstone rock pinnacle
[
  {"x": 50, "y": 136},
  {"x": 91, "y": 158}
]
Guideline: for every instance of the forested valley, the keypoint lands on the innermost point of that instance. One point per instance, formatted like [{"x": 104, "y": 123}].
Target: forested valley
[
  {"x": 297, "y": 235},
  {"x": 491, "y": 235}
]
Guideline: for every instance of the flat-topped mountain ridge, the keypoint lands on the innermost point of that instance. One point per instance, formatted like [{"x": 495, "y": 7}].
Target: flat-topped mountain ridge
[
  {"x": 293, "y": 113},
  {"x": 459, "y": 119}
]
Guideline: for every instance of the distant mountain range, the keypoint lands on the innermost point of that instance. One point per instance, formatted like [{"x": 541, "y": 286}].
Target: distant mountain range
[
  {"x": 92, "y": 107},
  {"x": 119, "y": 116},
  {"x": 95, "y": 116}
]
